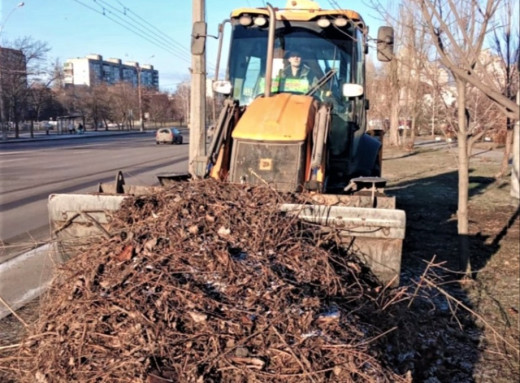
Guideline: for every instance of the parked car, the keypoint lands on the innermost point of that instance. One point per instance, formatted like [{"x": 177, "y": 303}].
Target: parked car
[{"x": 168, "y": 136}]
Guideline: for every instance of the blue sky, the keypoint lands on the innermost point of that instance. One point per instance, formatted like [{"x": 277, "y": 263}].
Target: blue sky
[{"x": 75, "y": 28}]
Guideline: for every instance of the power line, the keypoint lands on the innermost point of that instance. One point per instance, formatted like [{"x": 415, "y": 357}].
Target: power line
[
  {"x": 142, "y": 29},
  {"x": 153, "y": 29},
  {"x": 142, "y": 32},
  {"x": 135, "y": 31},
  {"x": 148, "y": 26},
  {"x": 334, "y": 4}
]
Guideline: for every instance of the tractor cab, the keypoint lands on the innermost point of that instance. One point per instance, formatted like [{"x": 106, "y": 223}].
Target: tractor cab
[{"x": 305, "y": 51}]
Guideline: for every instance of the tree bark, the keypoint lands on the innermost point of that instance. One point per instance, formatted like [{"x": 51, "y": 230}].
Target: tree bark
[
  {"x": 394, "y": 123},
  {"x": 504, "y": 166},
  {"x": 463, "y": 191},
  {"x": 394, "y": 106},
  {"x": 412, "y": 132},
  {"x": 515, "y": 183}
]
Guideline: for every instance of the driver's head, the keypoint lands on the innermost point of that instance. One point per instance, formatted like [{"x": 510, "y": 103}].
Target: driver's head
[{"x": 294, "y": 58}]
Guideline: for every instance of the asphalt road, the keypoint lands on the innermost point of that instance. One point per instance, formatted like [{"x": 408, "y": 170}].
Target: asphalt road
[{"x": 31, "y": 171}]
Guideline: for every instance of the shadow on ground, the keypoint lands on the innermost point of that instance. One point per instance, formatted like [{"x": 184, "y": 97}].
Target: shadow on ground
[{"x": 446, "y": 341}]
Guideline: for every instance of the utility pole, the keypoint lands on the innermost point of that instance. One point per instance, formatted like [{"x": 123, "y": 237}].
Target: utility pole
[
  {"x": 140, "y": 96},
  {"x": 197, "y": 162}
]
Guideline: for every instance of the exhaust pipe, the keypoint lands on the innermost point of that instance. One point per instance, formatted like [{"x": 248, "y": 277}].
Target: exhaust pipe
[{"x": 270, "y": 50}]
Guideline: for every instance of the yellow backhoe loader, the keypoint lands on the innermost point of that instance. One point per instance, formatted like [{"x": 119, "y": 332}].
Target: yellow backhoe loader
[{"x": 294, "y": 118}]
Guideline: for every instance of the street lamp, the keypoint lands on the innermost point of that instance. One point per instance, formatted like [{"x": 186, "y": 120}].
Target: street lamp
[
  {"x": 19, "y": 5},
  {"x": 2, "y": 112}
]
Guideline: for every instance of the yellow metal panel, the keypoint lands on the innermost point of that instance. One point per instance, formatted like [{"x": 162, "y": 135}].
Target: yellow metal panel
[{"x": 282, "y": 117}]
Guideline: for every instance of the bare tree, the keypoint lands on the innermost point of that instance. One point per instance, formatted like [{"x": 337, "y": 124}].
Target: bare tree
[
  {"x": 181, "y": 99},
  {"x": 40, "y": 94},
  {"x": 17, "y": 71},
  {"x": 485, "y": 119},
  {"x": 439, "y": 95},
  {"x": 390, "y": 72},
  {"x": 403, "y": 74},
  {"x": 123, "y": 104},
  {"x": 57, "y": 75},
  {"x": 68, "y": 98},
  {"x": 458, "y": 29},
  {"x": 413, "y": 56},
  {"x": 378, "y": 104},
  {"x": 160, "y": 108},
  {"x": 395, "y": 92},
  {"x": 452, "y": 31},
  {"x": 94, "y": 104},
  {"x": 506, "y": 45}
]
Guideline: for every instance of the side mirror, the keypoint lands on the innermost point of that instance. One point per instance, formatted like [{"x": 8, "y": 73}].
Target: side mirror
[
  {"x": 222, "y": 87},
  {"x": 352, "y": 90},
  {"x": 198, "y": 38},
  {"x": 385, "y": 44}
]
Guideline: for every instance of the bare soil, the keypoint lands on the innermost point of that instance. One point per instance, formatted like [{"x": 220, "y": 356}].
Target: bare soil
[
  {"x": 425, "y": 182},
  {"x": 459, "y": 328}
]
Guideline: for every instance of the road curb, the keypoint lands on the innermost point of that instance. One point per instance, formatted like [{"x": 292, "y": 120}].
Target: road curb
[
  {"x": 60, "y": 137},
  {"x": 27, "y": 276}
]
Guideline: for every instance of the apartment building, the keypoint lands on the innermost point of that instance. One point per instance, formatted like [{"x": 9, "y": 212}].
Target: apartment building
[
  {"x": 13, "y": 61},
  {"x": 13, "y": 81},
  {"x": 92, "y": 69}
]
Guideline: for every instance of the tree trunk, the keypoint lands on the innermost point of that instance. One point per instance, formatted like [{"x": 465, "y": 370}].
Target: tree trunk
[
  {"x": 515, "y": 183},
  {"x": 394, "y": 122},
  {"x": 411, "y": 144},
  {"x": 394, "y": 91},
  {"x": 504, "y": 166},
  {"x": 474, "y": 139},
  {"x": 462, "y": 212}
]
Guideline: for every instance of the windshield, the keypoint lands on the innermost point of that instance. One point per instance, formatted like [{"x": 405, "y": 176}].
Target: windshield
[{"x": 331, "y": 55}]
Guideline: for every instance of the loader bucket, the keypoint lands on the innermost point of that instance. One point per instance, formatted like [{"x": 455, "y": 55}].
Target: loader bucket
[
  {"x": 374, "y": 235},
  {"x": 166, "y": 179},
  {"x": 77, "y": 220},
  {"x": 119, "y": 186}
]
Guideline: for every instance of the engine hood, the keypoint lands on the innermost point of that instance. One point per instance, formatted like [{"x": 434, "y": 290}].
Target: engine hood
[{"x": 282, "y": 117}]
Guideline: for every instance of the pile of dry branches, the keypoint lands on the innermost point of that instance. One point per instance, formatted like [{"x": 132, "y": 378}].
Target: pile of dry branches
[{"x": 208, "y": 283}]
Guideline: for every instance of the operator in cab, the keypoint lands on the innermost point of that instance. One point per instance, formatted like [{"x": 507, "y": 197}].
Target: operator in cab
[{"x": 296, "y": 77}]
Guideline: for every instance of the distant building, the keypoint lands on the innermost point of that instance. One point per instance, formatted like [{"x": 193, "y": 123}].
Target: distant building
[
  {"x": 13, "y": 61},
  {"x": 92, "y": 69},
  {"x": 13, "y": 80}
]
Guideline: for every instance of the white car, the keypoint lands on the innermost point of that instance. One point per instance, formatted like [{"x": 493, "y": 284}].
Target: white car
[{"x": 168, "y": 136}]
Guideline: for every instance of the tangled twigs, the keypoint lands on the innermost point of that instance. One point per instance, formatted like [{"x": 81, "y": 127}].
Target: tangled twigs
[
  {"x": 12, "y": 311},
  {"x": 209, "y": 283},
  {"x": 459, "y": 303}
]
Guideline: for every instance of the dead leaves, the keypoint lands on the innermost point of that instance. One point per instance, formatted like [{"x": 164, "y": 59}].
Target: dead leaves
[
  {"x": 126, "y": 254},
  {"x": 206, "y": 284}
]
